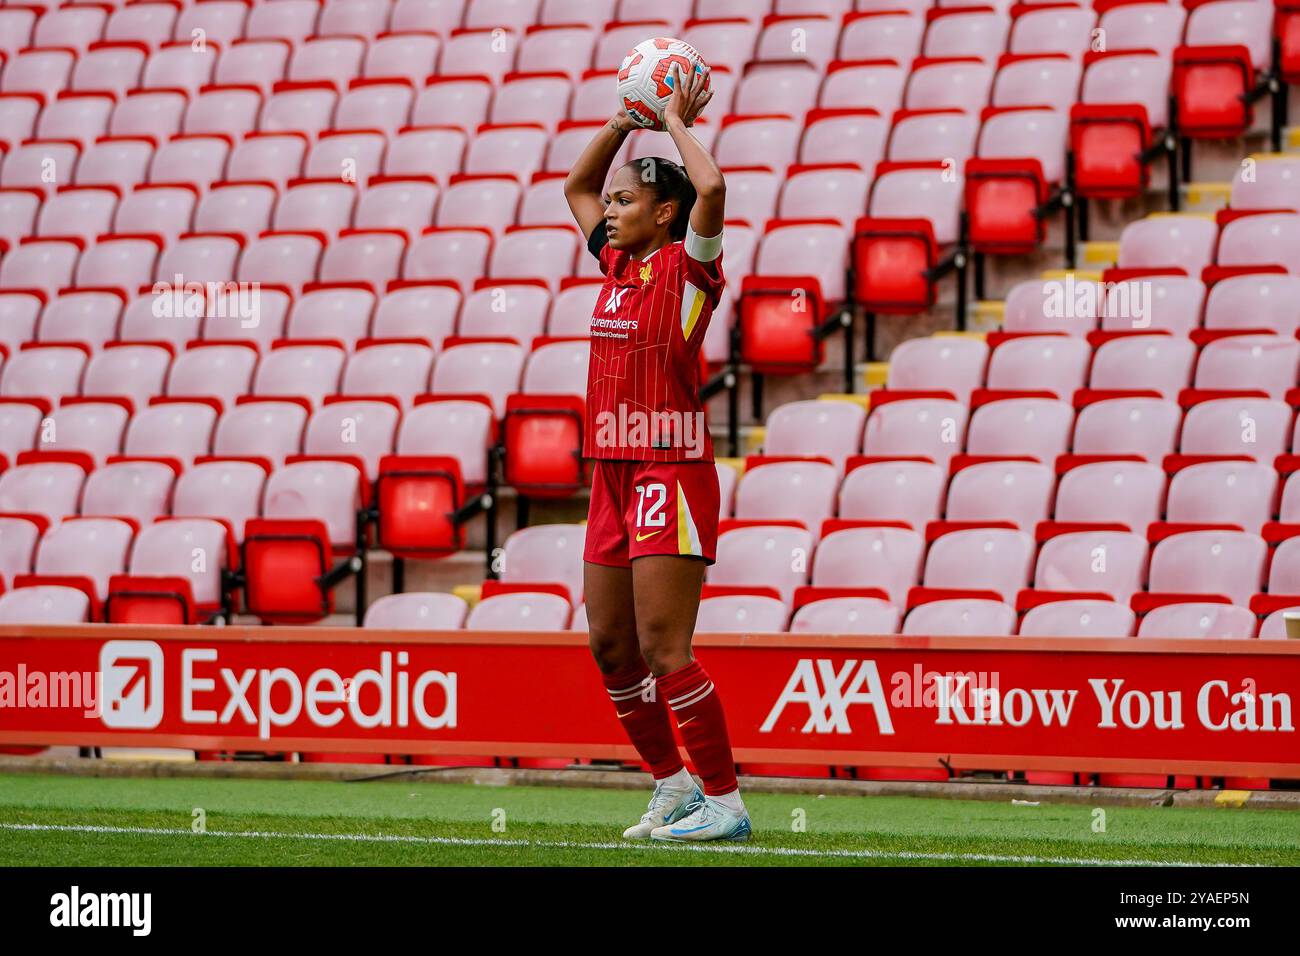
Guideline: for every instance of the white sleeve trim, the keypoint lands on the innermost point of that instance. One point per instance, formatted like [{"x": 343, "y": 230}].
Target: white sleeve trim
[{"x": 702, "y": 248}]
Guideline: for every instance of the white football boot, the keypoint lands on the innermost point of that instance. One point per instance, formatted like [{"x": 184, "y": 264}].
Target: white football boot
[
  {"x": 666, "y": 806},
  {"x": 706, "y": 820}
]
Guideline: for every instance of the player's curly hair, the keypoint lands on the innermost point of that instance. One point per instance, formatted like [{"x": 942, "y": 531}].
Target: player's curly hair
[{"x": 668, "y": 181}]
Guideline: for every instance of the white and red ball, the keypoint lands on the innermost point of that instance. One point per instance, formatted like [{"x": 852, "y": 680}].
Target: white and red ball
[{"x": 645, "y": 79}]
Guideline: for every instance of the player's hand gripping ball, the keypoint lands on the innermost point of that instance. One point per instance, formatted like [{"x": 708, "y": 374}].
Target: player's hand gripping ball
[{"x": 645, "y": 81}]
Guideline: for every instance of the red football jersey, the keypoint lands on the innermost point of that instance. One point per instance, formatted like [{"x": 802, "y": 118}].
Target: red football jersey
[{"x": 643, "y": 381}]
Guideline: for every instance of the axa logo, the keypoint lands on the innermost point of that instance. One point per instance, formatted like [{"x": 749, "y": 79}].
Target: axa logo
[
  {"x": 828, "y": 692},
  {"x": 132, "y": 674},
  {"x": 615, "y": 301}
]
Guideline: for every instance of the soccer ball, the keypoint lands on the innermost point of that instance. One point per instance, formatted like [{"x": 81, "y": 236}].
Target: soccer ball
[{"x": 645, "y": 81}]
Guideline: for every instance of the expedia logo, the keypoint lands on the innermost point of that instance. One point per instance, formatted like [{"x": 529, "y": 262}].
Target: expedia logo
[
  {"x": 132, "y": 684},
  {"x": 272, "y": 698}
]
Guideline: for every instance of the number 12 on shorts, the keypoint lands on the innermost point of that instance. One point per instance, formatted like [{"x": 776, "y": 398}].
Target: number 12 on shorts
[{"x": 650, "y": 501}]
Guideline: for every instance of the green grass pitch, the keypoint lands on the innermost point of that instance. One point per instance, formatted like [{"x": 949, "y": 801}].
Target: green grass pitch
[{"x": 84, "y": 821}]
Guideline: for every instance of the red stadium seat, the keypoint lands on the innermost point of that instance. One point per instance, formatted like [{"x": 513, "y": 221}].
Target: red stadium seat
[
  {"x": 417, "y": 500},
  {"x": 459, "y": 102},
  {"x": 1287, "y": 29},
  {"x": 803, "y": 490},
  {"x": 179, "y": 574},
  {"x": 149, "y": 600},
  {"x": 147, "y": 22},
  {"x": 222, "y": 21},
  {"x": 420, "y": 611},
  {"x": 43, "y": 70},
  {"x": 525, "y": 611},
  {"x": 474, "y": 51},
  {"x": 823, "y": 429},
  {"x": 958, "y": 82},
  {"x": 942, "y": 363},
  {"x": 291, "y": 20},
  {"x": 355, "y": 427},
  {"x": 178, "y": 67},
  {"x": 1003, "y": 199},
  {"x": 543, "y": 436},
  {"x": 1107, "y": 142},
  {"x": 113, "y": 67},
  {"x": 45, "y": 604},
  {"x": 550, "y": 555},
  {"x": 961, "y": 616},
  {"x": 19, "y": 536},
  {"x": 287, "y": 573},
  {"x": 228, "y": 489},
  {"x": 223, "y": 110},
  {"x": 1078, "y": 618},
  {"x": 778, "y": 318},
  {"x": 562, "y": 45},
  {"x": 1211, "y": 85}
]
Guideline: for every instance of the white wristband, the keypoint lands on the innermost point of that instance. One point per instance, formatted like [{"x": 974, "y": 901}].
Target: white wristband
[{"x": 702, "y": 248}]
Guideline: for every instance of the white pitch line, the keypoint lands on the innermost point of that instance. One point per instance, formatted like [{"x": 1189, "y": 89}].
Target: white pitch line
[{"x": 907, "y": 855}]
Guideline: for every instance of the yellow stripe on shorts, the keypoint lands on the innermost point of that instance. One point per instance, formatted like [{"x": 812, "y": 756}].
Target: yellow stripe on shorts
[{"x": 688, "y": 537}]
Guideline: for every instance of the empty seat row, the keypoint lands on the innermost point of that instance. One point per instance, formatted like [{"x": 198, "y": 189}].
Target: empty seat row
[
  {"x": 294, "y": 259},
  {"x": 348, "y": 313},
  {"x": 263, "y": 542},
  {"x": 840, "y": 154},
  {"x": 1133, "y": 495},
  {"x": 895, "y": 564},
  {"x": 778, "y": 87},
  {"x": 938, "y": 429},
  {"x": 130, "y": 155},
  {"x": 1235, "y": 238},
  {"x": 984, "y": 618},
  {"x": 225, "y": 400},
  {"x": 505, "y": 36},
  {"x": 1249, "y": 298},
  {"x": 969, "y": 578},
  {"x": 464, "y": 244},
  {"x": 1162, "y": 364},
  {"x": 542, "y": 611},
  {"x": 750, "y": 131}
]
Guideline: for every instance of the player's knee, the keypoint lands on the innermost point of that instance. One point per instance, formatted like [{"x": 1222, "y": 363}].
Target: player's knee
[
  {"x": 662, "y": 646},
  {"x": 663, "y": 661},
  {"x": 613, "y": 648}
]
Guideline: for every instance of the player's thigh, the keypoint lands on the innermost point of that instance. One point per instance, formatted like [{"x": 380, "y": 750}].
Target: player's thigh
[
  {"x": 611, "y": 615},
  {"x": 667, "y": 596}
]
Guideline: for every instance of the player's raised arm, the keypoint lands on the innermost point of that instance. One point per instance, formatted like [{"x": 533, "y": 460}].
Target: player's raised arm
[
  {"x": 684, "y": 106},
  {"x": 586, "y": 181}
]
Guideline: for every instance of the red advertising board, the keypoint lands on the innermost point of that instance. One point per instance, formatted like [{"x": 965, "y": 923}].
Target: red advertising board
[{"x": 1164, "y": 706}]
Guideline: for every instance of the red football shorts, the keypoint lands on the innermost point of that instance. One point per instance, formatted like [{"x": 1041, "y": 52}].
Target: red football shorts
[{"x": 652, "y": 507}]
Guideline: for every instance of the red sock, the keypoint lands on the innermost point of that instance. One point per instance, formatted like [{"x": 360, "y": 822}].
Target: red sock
[
  {"x": 697, "y": 711},
  {"x": 646, "y": 722}
]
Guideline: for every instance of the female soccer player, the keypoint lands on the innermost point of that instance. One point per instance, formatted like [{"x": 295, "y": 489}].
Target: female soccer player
[{"x": 652, "y": 526}]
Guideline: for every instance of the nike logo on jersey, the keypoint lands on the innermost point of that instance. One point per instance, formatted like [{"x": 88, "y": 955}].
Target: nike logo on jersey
[
  {"x": 629, "y": 712},
  {"x": 685, "y": 722},
  {"x": 642, "y": 537},
  {"x": 616, "y": 300}
]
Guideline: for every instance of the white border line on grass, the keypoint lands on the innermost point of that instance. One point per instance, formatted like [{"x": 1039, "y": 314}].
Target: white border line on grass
[{"x": 737, "y": 848}]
